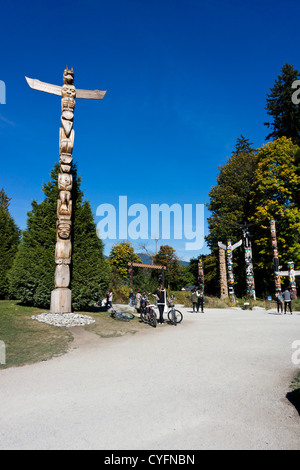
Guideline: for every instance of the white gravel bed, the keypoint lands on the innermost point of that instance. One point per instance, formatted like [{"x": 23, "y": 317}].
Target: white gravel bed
[{"x": 64, "y": 319}]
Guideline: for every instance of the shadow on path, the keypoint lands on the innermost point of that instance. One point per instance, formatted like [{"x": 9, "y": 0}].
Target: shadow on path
[{"x": 294, "y": 399}]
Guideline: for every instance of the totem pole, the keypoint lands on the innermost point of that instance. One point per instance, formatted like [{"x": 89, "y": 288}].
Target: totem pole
[
  {"x": 248, "y": 262},
  {"x": 200, "y": 275},
  {"x": 292, "y": 276},
  {"x": 275, "y": 257},
  {"x": 61, "y": 296},
  {"x": 223, "y": 274},
  {"x": 230, "y": 249}
]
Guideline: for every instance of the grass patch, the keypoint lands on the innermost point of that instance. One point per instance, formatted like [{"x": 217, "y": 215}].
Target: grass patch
[
  {"x": 107, "y": 327},
  {"x": 26, "y": 340}
]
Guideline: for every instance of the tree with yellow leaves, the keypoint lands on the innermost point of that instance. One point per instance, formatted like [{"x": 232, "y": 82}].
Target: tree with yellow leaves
[
  {"x": 274, "y": 196},
  {"x": 121, "y": 254}
]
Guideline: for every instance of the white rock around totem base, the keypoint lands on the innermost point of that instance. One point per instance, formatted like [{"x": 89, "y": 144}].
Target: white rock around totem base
[{"x": 64, "y": 319}]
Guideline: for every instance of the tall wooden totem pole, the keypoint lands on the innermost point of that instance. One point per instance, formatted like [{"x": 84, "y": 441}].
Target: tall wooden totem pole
[
  {"x": 61, "y": 296},
  {"x": 248, "y": 262},
  {"x": 229, "y": 250},
  {"x": 223, "y": 273}
]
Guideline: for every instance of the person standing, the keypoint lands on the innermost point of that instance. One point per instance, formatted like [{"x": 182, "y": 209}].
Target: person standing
[
  {"x": 279, "y": 300},
  {"x": 201, "y": 301},
  {"x": 195, "y": 297},
  {"x": 131, "y": 298},
  {"x": 138, "y": 300},
  {"x": 109, "y": 298},
  {"x": 161, "y": 296},
  {"x": 287, "y": 301}
]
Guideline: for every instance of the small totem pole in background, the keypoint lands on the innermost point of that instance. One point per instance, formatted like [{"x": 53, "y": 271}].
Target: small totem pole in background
[
  {"x": 292, "y": 276},
  {"x": 200, "y": 275},
  {"x": 130, "y": 272},
  {"x": 249, "y": 263},
  {"x": 61, "y": 296},
  {"x": 275, "y": 257}
]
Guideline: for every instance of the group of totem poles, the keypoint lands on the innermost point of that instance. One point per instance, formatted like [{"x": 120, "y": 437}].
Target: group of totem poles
[
  {"x": 61, "y": 296},
  {"x": 228, "y": 289}
]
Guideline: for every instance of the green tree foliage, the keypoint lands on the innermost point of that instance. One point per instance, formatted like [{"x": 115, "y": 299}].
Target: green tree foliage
[
  {"x": 229, "y": 205},
  {"x": 32, "y": 275},
  {"x": 284, "y": 113},
  {"x": 187, "y": 277},
  {"x": 9, "y": 240},
  {"x": 167, "y": 257},
  {"x": 211, "y": 273},
  {"x": 273, "y": 195}
]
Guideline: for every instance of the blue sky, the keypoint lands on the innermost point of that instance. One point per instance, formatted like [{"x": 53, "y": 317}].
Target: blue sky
[{"x": 184, "y": 80}]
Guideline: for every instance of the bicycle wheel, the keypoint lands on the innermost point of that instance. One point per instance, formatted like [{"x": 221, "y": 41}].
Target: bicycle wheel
[
  {"x": 143, "y": 316},
  {"x": 175, "y": 316},
  {"x": 128, "y": 316},
  {"x": 153, "y": 319},
  {"x": 121, "y": 317}
]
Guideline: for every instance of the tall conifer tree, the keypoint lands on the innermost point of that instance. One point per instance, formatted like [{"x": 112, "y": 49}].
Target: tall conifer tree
[
  {"x": 32, "y": 275},
  {"x": 285, "y": 114},
  {"x": 9, "y": 240}
]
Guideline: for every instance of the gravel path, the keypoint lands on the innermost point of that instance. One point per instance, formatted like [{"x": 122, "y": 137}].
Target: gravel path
[{"x": 217, "y": 381}]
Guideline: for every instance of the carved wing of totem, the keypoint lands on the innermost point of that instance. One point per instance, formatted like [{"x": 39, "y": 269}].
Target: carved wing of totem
[
  {"x": 90, "y": 94},
  {"x": 42, "y": 86}
]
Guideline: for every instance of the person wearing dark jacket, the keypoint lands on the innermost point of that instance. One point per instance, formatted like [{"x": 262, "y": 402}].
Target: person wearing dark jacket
[
  {"x": 279, "y": 300},
  {"x": 161, "y": 296},
  {"x": 287, "y": 301}
]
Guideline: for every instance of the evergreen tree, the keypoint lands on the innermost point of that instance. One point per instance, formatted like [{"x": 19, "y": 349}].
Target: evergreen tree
[
  {"x": 32, "y": 275},
  {"x": 285, "y": 114},
  {"x": 229, "y": 205},
  {"x": 9, "y": 240}
]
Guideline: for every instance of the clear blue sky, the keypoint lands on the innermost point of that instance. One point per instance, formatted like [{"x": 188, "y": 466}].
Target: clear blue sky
[{"x": 184, "y": 80}]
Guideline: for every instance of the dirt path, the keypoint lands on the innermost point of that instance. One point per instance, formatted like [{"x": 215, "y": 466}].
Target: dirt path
[{"x": 217, "y": 381}]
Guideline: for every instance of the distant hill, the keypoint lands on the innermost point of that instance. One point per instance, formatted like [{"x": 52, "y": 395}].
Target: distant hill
[{"x": 147, "y": 259}]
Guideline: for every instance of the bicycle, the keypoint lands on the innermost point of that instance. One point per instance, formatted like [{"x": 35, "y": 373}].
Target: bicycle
[
  {"x": 147, "y": 312},
  {"x": 174, "y": 316},
  {"x": 123, "y": 316}
]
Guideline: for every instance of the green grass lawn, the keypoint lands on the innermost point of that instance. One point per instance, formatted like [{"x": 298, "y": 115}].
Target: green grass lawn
[{"x": 26, "y": 340}]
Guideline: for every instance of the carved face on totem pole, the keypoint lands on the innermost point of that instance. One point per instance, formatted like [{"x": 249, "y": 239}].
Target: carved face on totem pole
[{"x": 64, "y": 228}]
